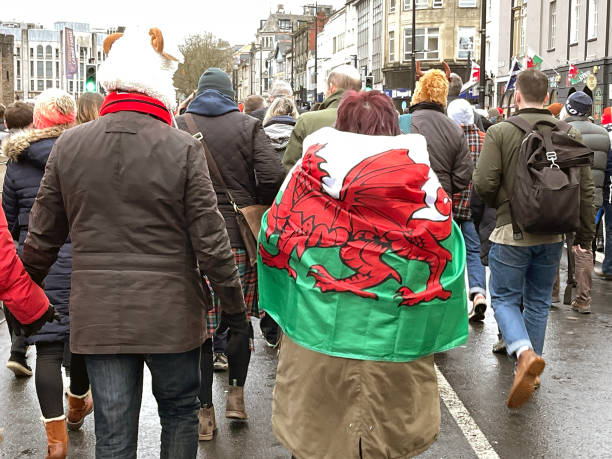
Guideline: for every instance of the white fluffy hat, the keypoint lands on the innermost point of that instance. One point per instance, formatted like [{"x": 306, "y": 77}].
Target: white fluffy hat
[{"x": 136, "y": 62}]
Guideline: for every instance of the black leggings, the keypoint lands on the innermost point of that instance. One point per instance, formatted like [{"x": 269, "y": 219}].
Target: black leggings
[
  {"x": 48, "y": 378},
  {"x": 238, "y": 368}
]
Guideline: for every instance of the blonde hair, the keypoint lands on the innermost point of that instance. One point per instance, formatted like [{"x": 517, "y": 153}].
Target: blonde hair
[
  {"x": 281, "y": 106},
  {"x": 88, "y": 107}
]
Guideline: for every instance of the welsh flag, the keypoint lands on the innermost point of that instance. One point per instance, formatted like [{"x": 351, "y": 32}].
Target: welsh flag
[
  {"x": 359, "y": 256},
  {"x": 573, "y": 75},
  {"x": 533, "y": 60}
]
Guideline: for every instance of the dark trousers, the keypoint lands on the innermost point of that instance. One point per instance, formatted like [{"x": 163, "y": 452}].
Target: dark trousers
[
  {"x": 48, "y": 378},
  {"x": 238, "y": 369},
  {"x": 116, "y": 383},
  {"x": 18, "y": 344}
]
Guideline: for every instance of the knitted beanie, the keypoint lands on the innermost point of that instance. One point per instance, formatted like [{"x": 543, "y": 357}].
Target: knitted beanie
[
  {"x": 431, "y": 87},
  {"x": 555, "y": 108},
  {"x": 215, "y": 78},
  {"x": 461, "y": 112},
  {"x": 54, "y": 107},
  {"x": 579, "y": 104}
]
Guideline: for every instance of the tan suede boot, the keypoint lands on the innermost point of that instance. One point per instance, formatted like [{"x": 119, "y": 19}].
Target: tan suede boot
[
  {"x": 529, "y": 367},
  {"x": 57, "y": 438},
  {"x": 235, "y": 403},
  {"x": 79, "y": 406},
  {"x": 206, "y": 423}
]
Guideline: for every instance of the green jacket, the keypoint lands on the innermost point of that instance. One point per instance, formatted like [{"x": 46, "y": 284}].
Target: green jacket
[
  {"x": 496, "y": 171},
  {"x": 309, "y": 123}
]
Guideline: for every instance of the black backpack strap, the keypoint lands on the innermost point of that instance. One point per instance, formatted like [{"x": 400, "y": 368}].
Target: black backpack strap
[
  {"x": 520, "y": 123},
  {"x": 564, "y": 126}
]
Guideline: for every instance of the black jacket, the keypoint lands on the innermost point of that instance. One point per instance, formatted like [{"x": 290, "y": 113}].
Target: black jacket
[
  {"x": 447, "y": 146},
  {"x": 28, "y": 153},
  {"x": 250, "y": 166},
  {"x": 484, "y": 219}
]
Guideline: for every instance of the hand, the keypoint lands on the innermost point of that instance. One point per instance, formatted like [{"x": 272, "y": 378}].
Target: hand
[
  {"x": 238, "y": 331},
  {"x": 31, "y": 329},
  {"x": 577, "y": 248}
]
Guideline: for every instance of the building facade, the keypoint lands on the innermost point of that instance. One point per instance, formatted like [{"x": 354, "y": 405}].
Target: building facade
[
  {"x": 39, "y": 58},
  {"x": 573, "y": 39},
  {"x": 7, "y": 71},
  {"x": 446, "y": 30}
]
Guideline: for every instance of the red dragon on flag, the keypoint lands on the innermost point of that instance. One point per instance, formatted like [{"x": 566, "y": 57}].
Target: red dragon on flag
[{"x": 379, "y": 209}]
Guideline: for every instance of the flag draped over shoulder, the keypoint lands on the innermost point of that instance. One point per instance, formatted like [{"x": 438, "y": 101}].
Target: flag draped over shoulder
[{"x": 359, "y": 256}]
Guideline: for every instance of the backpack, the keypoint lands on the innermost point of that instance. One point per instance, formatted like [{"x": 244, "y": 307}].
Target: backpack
[{"x": 546, "y": 194}]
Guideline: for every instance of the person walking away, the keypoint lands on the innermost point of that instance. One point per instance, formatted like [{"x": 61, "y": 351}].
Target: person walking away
[
  {"x": 279, "y": 89},
  {"x": 29, "y": 152},
  {"x": 448, "y": 149},
  {"x": 279, "y": 122},
  {"x": 135, "y": 196},
  {"x": 252, "y": 173},
  {"x": 605, "y": 270},
  {"x": 523, "y": 268},
  {"x": 343, "y": 353},
  {"x": 461, "y": 112},
  {"x": 88, "y": 107},
  {"x": 254, "y": 104},
  {"x": 578, "y": 107},
  {"x": 18, "y": 116},
  {"x": 341, "y": 79}
]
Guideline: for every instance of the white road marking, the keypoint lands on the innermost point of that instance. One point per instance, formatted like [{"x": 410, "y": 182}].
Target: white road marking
[{"x": 474, "y": 436}]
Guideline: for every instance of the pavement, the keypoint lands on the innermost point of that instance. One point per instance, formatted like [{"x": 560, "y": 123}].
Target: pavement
[{"x": 570, "y": 416}]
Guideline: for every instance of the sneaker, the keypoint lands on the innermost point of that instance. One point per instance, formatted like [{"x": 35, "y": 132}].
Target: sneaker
[
  {"x": 599, "y": 271},
  {"x": 499, "y": 347},
  {"x": 18, "y": 365},
  {"x": 220, "y": 362},
  {"x": 479, "y": 306}
]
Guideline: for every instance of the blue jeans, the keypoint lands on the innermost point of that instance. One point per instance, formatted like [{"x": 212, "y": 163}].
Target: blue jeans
[
  {"x": 116, "y": 383},
  {"x": 477, "y": 277},
  {"x": 607, "y": 263},
  {"x": 527, "y": 273}
]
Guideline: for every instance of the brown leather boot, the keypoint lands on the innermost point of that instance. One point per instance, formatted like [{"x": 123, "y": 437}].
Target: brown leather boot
[
  {"x": 206, "y": 423},
  {"x": 79, "y": 406},
  {"x": 235, "y": 403},
  {"x": 57, "y": 438},
  {"x": 529, "y": 367}
]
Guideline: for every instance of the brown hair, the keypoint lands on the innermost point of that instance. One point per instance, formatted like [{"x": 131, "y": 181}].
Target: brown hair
[
  {"x": 88, "y": 107},
  {"x": 370, "y": 113},
  {"x": 253, "y": 103},
  {"x": 533, "y": 86},
  {"x": 19, "y": 115}
]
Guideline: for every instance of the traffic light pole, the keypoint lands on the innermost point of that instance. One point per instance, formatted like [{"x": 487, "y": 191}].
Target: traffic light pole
[{"x": 483, "y": 56}]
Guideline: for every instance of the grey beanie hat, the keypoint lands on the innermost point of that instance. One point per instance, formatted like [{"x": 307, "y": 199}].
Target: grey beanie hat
[
  {"x": 215, "y": 78},
  {"x": 579, "y": 104}
]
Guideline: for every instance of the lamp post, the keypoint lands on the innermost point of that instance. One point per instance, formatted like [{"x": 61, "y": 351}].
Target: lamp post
[
  {"x": 483, "y": 55},
  {"x": 413, "y": 46},
  {"x": 316, "y": 32}
]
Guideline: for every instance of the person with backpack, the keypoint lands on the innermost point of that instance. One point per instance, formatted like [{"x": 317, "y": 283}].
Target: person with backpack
[
  {"x": 578, "y": 107},
  {"x": 527, "y": 240}
]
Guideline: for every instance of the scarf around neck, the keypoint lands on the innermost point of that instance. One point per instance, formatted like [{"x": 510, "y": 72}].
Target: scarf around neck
[{"x": 135, "y": 102}]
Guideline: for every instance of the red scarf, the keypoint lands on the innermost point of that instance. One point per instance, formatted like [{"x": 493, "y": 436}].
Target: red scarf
[{"x": 135, "y": 102}]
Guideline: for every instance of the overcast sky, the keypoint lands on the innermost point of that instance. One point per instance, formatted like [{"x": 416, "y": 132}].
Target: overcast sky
[{"x": 232, "y": 20}]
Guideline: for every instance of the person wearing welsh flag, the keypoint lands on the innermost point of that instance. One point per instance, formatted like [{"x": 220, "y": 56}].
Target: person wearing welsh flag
[{"x": 362, "y": 267}]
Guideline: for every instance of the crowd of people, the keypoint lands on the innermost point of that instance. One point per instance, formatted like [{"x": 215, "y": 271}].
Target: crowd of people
[{"x": 125, "y": 241}]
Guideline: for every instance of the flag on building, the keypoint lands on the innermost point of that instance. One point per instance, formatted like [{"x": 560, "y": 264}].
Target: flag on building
[
  {"x": 359, "y": 256},
  {"x": 533, "y": 60},
  {"x": 514, "y": 71},
  {"x": 475, "y": 73},
  {"x": 573, "y": 75}
]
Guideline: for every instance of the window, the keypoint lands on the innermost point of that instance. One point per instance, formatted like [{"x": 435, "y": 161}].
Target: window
[
  {"x": 519, "y": 28},
  {"x": 593, "y": 18},
  {"x": 426, "y": 46},
  {"x": 18, "y": 85},
  {"x": 467, "y": 3},
  {"x": 71, "y": 86},
  {"x": 48, "y": 52},
  {"x": 552, "y": 24},
  {"x": 57, "y": 83},
  {"x": 420, "y": 4},
  {"x": 284, "y": 24},
  {"x": 392, "y": 46},
  {"x": 574, "y": 20},
  {"x": 57, "y": 69},
  {"x": 39, "y": 52},
  {"x": 49, "y": 69},
  {"x": 99, "y": 56},
  {"x": 49, "y": 84},
  {"x": 334, "y": 46},
  {"x": 57, "y": 53},
  {"x": 32, "y": 56},
  {"x": 438, "y": 3},
  {"x": 18, "y": 51},
  {"x": 465, "y": 42},
  {"x": 31, "y": 85},
  {"x": 40, "y": 68},
  {"x": 18, "y": 69},
  {"x": 40, "y": 85},
  {"x": 31, "y": 69},
  {"x": 391, "y": 6}
]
